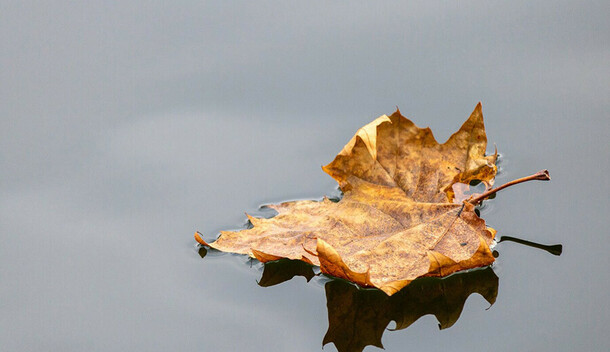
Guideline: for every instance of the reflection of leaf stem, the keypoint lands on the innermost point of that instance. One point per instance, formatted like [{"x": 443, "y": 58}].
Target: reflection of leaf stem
[
  {"x": 540, "y": 175},
  {"x": 555, "y": 249}
]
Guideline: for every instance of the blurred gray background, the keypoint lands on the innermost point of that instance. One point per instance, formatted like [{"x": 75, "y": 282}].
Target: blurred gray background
[{"x": 126, "y": 126}]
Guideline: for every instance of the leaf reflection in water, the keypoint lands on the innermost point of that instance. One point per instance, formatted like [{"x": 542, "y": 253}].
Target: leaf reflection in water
[
  {"x": 358, "y": 317},
  {"x": 554, "y": 249},
  {"x": 283, "y": 270}
]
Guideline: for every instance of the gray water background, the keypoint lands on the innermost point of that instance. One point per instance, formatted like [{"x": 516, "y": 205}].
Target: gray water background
[{"x": 126, "y": 126}]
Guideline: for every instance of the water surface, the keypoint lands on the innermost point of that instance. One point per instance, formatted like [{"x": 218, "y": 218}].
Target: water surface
[{"x": 127, "y": 126}]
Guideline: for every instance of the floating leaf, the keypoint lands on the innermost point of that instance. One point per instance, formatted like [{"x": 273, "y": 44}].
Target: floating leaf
[{"x": 400, "y": 217}]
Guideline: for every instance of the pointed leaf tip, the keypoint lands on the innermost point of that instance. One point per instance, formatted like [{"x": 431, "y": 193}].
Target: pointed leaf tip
[
  {"x": 264, "y": 257},
  {"x": 200, "y": 240}
]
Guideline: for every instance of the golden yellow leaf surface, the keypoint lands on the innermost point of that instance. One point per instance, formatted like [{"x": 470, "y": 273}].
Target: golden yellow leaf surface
[{"x": 400, "y": 217}]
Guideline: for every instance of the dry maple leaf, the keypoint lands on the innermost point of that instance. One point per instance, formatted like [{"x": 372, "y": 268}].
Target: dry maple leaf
[{"x": 400, "y": 217}]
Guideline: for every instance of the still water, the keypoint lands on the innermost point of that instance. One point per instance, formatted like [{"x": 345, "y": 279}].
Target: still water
[{"x": 126, "y": 127}]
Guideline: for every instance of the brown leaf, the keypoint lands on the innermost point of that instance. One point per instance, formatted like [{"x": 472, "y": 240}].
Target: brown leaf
[{"x": 397, "y": 220}]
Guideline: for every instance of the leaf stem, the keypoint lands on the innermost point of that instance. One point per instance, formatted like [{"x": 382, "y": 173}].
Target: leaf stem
[{"x": 542, "y": 175}]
